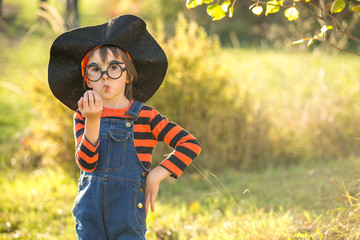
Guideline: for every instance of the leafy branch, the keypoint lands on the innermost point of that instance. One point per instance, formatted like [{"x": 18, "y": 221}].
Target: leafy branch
[{"x": 326, "y": 14}]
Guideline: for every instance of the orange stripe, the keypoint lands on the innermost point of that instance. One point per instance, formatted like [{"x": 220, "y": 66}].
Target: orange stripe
[
  {"x": 85, "y": 169},
  {"x": 78, "y": 140},
  {"x": 78, "y": 127},
  {"x": 173, "y": 168},
  {"x": 86, "y": 158},
  {"x": 193, "y": 147},
  {"x": 142, "y": 128},
  {"x": 172, "y": 133},
  {"x": 89, "y": 145},
  {"x": 185, "y": 159},
  {"x": 145, "y": 157},
  {"x": 159, "y": 127},
  {"x": 145, "y": 142}
]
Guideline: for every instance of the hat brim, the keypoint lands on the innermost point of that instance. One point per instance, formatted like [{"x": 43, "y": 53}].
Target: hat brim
[{"x": 127, "y": 32}]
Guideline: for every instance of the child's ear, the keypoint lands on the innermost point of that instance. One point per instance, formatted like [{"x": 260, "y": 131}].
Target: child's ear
[{"x": 129, "y": 80}]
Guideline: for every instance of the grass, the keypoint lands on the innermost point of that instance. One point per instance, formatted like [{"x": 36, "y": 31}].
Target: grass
[
  {"x": 291, "y": 202},
  {"x": 296, "y": 201}
]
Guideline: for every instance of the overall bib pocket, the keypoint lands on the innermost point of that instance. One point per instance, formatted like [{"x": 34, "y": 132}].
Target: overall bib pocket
[{"x": 113, "y": 150}]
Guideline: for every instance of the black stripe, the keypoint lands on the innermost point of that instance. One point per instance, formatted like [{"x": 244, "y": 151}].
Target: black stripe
[
  {"x": 146, "y": 165},
  {"x": 178, "y": 136},
  {"x": 144, "y": 150},
  {"x": 142, "y": 120},
  {"x": 84, "y": 164},
  {"x": 79, "y": 132},
  {"x": 121, "y": 118},
  {"x": 194, "y": 141},
  {"x": 144, "y": 135},
  {"x": 177, "y": 162},
  {"x": 186, "y": 151},
  {"x": 147, "y": 108},
  {"x": 172, "y": 174},
  {"x": 158, "y": 118},
  {"x": 165, "y": 130},
  {"x": 76, "y": 121},
  {"x": 88, "y": 152}
]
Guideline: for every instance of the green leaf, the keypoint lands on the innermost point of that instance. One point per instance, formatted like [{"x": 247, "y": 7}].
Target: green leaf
[
  {"x": 273, "y": 6},
  {"x": 215, "y": 11},
  {"x": 356, "y": 9},
  {"x": 338, "y": 6},
  {"x": 231, "y": 11},
  {"x": 195, "y": 3},
  {"x": 225, "y": 5}
]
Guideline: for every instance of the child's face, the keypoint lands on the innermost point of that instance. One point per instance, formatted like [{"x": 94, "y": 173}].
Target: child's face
[{"x": 111, "y": 89}]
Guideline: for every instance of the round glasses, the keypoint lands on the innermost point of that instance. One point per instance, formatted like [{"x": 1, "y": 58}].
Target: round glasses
[{"x": 114, "y": 71}]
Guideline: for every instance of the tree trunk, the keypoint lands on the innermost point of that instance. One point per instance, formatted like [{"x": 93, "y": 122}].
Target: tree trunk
[{"x": 72, "y": 14}]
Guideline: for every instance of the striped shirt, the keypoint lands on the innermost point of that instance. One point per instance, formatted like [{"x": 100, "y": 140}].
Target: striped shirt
[{"x": 150, "y": 128}]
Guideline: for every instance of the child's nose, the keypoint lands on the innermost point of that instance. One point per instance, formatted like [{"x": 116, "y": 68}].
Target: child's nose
[{"x": 105, "y": 75}]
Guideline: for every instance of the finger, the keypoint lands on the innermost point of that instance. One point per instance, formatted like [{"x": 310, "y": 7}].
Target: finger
[
  {"x": 152, "y": 204},
  {"x": 97, "y": 99},
  {"x": 80, "y": 104},
  {"x": 91, "y": 99},
  {"x": 86, "y": 101},
  {"x": 147, "y": 201}
]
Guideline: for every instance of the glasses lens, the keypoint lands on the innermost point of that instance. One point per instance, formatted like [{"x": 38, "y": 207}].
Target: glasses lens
[
  {"x": 114, "y": 70},
  {"x": 93, "y": 73}
]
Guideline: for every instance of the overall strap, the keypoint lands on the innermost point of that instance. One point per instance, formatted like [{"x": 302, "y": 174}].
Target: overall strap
[{"x": 134, "y": 110}]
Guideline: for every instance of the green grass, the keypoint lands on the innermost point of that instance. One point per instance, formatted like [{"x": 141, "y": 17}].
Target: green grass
[{"x": 291, "y": 202}]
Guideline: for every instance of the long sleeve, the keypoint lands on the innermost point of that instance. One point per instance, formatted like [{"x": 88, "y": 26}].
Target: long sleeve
[
  {"x": 186, "y": 147},
  {"x": 86, "y": 154}
]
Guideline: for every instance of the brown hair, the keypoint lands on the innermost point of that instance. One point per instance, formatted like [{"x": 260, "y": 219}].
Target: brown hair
[{"x": 118, "y": 53}]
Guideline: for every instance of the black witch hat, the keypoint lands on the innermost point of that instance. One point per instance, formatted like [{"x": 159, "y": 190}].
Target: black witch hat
[{"x": 127, "y": 32}]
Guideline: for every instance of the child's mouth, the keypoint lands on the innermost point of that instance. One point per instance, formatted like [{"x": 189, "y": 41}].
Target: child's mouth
[{"x": 103, "y": 89}]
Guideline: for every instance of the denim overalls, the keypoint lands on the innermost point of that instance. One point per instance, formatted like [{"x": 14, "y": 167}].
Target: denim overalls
[{"x": 110, "y": 200}]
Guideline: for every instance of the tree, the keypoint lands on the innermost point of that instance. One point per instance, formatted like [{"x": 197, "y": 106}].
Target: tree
[
  {"x": 330, "y": 14},
  {"x": 71, "y": 14}
]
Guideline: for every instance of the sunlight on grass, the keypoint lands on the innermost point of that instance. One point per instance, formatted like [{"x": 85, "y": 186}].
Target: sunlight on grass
[{"x": 37, "y": 205}]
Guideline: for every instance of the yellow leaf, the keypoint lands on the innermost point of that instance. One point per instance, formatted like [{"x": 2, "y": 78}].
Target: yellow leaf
[
  {"x": 273, "y": 6},
  {"x": 225, "y": 5},
  {"x": 356, "y": 9},
  {"x": 231, "y": 11},
  {"x": 338, "y": 6},
  {"x": 291, "y": 14},
  {"x": 257, "y": 10}
]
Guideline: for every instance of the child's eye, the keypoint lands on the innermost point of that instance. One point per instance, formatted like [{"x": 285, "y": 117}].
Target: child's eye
[
  {"x": 114, "y": 67},
  {"x": 94, "y": 69}
]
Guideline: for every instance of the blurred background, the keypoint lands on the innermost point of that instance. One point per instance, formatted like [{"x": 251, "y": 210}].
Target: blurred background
[{"x": 265, "y": 113}]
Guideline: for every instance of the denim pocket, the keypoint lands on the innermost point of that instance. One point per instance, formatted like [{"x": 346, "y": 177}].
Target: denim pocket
[
  {"x": 116, "y": 150},
  {"x": 73, "y": 210}
]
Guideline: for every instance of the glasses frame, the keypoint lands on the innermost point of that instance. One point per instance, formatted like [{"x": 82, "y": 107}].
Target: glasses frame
[{"x": 123, "y": 69}]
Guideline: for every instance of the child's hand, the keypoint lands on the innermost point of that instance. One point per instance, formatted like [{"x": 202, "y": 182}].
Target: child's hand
[
  {"x": 90, "y": 105},
  {"x": 152, "y": 186}
]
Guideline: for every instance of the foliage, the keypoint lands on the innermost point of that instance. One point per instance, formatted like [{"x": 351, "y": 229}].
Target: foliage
[
  {"x": 199, "y": 94},
  {"x": 37, "y": 205},
  {"x": 324, "y": 13}
]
